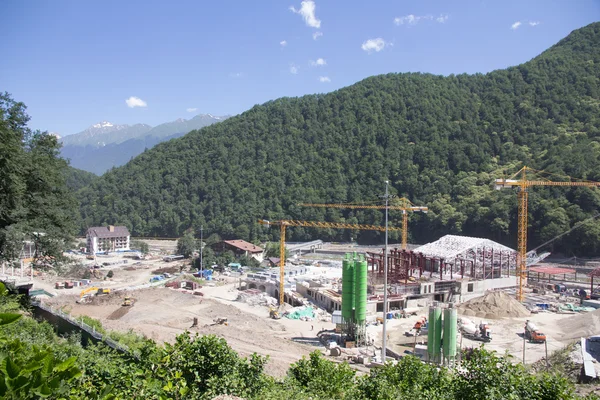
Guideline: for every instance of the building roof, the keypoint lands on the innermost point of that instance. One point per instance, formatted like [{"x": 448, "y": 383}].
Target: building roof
[
  {"x": 451, "y": 246},
  {"x": 102, "y": 232},
  {"x": 243, "y": 245},
  {"x": 552, "y": 270}
]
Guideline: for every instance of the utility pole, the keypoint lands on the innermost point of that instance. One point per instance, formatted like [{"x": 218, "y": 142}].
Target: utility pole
[
  {"x": 385, "y": 271},
  {"x": 201, "y": 247}
]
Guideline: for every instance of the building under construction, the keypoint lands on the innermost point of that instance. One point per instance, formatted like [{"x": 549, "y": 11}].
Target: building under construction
[{"x": 451, "y": 268}]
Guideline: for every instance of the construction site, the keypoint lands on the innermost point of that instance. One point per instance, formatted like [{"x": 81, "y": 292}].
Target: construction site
[{"x": 362, "y": 304}]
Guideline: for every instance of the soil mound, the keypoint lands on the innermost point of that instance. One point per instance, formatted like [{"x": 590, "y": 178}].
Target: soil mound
[
  {"x": 118, "y": 313},
  {"x": 582, "y": 325},
  {"x": 494, "y": 305}
]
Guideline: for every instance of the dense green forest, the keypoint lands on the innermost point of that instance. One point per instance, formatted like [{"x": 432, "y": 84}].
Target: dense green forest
[
  {"x": 78, "y": 178},
  {"x": 35, "y": 363},
  {"x": 35, "y": 203},
  {"x": 440, "y": 140}
]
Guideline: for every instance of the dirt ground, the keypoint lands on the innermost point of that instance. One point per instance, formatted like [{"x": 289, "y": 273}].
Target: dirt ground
[
  {"x": 507, "y": 335},
  {"x": 161, "y": 314}
]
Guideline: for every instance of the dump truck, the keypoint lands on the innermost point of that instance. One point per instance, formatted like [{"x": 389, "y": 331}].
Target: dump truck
[
  {"x": 419, "y": 327},
  {"x": 533, "y": 334}
]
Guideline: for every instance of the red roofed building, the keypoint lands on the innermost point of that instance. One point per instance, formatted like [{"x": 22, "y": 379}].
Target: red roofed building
[{"x": 240, "y": 248}]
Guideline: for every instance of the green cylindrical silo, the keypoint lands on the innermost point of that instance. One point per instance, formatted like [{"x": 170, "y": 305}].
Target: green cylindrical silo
[
  {"x": 434, "y": 333},
  {"x": 347, "y": 289},
  {"x": 360, "y": 289},
  {"x": 450, "y": 330}
]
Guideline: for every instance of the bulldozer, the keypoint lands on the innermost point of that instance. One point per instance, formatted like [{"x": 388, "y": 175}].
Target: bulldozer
[{"x": 128, "y": 301}]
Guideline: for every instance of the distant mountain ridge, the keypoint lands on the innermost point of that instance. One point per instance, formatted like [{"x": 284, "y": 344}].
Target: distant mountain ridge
[
  {"x": 104, "y": 133},
  {"x": 105, "y": 145}
]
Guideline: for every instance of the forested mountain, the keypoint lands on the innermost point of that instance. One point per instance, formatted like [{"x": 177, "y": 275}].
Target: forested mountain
[
  {"x": 105, "y": 145},
  {"x": 77, "y": 178},
  {"x": 441, "y": 141}
]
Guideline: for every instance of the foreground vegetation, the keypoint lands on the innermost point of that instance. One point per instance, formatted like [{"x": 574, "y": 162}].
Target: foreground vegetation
[
  {"x": 35, "y": 363},
  {"x": 441, "y": 141}
]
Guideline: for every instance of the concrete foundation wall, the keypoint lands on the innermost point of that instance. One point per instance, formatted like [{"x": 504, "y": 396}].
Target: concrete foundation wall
[
  {"x": 320, "y": 299},
  {"x": 472, "y": 289}
]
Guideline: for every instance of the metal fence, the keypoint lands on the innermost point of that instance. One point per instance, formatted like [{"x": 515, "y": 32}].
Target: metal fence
[{"x": 83, "y": 326}]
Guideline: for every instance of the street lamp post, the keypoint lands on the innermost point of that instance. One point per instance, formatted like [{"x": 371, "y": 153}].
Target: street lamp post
[
  {"x": 385, "y": 272},
  {"x": 201, "y": 248}
]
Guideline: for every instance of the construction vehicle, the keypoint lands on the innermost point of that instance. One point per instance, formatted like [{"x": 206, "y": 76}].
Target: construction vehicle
[
  {"x": 533, "y": 334},
  {"x": 88, "y": 290},
  {"x": 93, "y": 291},
  {"x": 481, "y": 332},
  {"x": 128, "y": 302},
  {"x": 274, "y": 313},
  {"x": 310, "y": 224},
  {"x": 524, "y": 184},
  {"x": 220, "y": 321},
  {"x": 403, "y": 204},
  {"x": 419, "y": 327}
]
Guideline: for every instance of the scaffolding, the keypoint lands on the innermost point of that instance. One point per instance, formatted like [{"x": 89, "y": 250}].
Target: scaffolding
[{"x": 453, "y": 256}]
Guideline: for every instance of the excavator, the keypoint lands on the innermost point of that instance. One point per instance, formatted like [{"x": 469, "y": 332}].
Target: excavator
[{"x": 86, "y": 294}]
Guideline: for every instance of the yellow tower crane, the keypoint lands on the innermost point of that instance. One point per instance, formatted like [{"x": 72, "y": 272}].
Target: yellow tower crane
[
  {"x": 310, "y": 224},
  {"x": 520, "y": 180},
  {"x": 402, "y": 204}
]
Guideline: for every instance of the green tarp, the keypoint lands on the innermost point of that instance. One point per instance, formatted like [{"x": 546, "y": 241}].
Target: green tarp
[{"x": 301, "y": 312}]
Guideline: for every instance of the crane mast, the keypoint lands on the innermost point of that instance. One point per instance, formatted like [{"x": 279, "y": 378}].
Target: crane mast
[{"x": 520, "y": 180}]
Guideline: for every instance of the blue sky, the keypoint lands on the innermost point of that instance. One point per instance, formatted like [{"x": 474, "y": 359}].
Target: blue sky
[{"x": 75, "y": 63}]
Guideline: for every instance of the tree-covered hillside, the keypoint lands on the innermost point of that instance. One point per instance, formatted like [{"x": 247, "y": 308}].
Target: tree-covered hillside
[
  {"x": 441, "y": 141},
  {"x": 78, "y": 178}
]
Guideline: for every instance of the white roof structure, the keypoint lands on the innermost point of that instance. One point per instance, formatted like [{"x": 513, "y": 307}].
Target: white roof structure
[{"x": 452, "y": 246}]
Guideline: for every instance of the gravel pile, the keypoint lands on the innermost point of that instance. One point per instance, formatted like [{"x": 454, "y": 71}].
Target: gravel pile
[
  {"x": 494, "y": 305},
  {"x": 582, "y": 325}
]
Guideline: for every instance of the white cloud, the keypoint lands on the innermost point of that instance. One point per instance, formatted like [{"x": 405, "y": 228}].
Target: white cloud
[
  {"x": 316, "y": 35},
  {"x": 293, "y": 69},
  {"x": 442, "y": 18},
  {"x": 407, "y": 19},
  {"x": 307, "y": 11},
  {"x": 283, "y": 43},
  {"x": 236, "y": 75},
  {"x": 324, "y": 79},
  {"x": 516, "y": 25},
  {"x": 319, "y": 63},
  {"x": 191, "y": 109},
  {"x": 412, "y": 19},
  {"x": 534, "y": 23},
  {"x": 373, "y": 45},
  {"x": 135, "y": 102}
]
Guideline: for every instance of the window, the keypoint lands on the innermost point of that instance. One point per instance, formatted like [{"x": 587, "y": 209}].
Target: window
[{"x": 470, "y": 287}]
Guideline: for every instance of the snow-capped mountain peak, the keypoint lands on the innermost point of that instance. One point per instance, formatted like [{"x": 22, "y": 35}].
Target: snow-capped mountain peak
[{"x": 103, "y": 124}]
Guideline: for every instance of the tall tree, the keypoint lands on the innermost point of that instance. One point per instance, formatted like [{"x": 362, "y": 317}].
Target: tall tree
[{"x": 35, "y": 203}]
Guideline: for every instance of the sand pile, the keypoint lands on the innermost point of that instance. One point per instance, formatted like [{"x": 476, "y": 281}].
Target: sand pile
[
  {"x": 582, "y": 325},
  {"x": 493, "y": 305}
]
